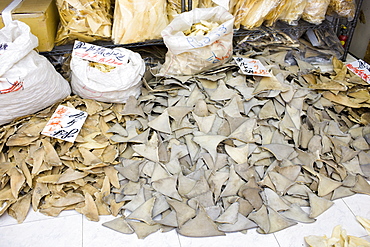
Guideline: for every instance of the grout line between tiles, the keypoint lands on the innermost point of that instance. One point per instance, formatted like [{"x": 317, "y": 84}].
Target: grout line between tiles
[
  {"x": 178, "y": 238},
  {"x": 37, "y": 220},
  {"x": 348, "y": 207},
  {"x": 276, "y": 240},
  {"x": 82, "y": 231}
]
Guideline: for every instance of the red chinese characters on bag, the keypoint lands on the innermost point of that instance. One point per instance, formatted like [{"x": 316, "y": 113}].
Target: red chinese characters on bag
[{"x": 15, "y": 86}]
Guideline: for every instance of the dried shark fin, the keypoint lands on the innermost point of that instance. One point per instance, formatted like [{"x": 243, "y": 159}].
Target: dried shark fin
[
  {"x": 120, "y": 225},
  {"x": 200, "y": 226}
]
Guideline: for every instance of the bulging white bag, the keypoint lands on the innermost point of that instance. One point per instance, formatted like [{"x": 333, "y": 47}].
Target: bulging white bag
[
  {"x": 107, "y": 75},
  {"x": 28, "y": 81},
  {"x": 188, "y": 55}
]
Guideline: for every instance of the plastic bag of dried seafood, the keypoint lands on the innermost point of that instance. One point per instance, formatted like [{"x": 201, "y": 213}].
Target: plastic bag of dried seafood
[
  {"x": 83, "y": 20},
  {"x": 198, "y": 40},
  {"x": 293, "y": 11},
  {"x": 343, "y": 8},
  {"x": 315, "y": 11},
  {"x": 139, "y": 20},
  {"x": 252, "y": 13},
  {"x": 107, "y": 75},
  {"x": 174, "y": 7},
  {"x": 28, "y": 81}
]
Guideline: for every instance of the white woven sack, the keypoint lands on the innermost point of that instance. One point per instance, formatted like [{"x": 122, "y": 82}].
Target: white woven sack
[
  {"x": 188, "y": 55},
  {"x": 115, "y": 86},
  {"x": 28, "y": 81}
]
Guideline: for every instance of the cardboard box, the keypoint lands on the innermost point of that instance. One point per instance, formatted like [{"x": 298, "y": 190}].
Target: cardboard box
[{"x": 42, "y": 17}]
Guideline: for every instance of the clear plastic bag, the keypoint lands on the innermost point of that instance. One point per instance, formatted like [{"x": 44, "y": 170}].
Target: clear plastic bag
[
  {"x": 83, "y": 20},
  {"x": 343, "y": 8},
  {"x": 139, "y": 20},
  {"x": 252, "y": 13},
  {"x": 174, "y": 8},
  {"x": 315, "y": 11},
  {"x": 293, "y": 11},
  {"x": 275, "y": 13}
]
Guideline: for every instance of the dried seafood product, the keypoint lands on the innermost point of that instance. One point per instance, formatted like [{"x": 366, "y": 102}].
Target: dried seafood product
[
  {"x": 293, "y": 11},
  {"x": 339, "y": 238},
  {"x": 315, "y": 11},
  {"x": 174, "y": 8},
  {"x": 251, "y": 13},
  {"x": 343, "y": 8},
  {"x": 83, "y": 20},
  {"x": 203, "y": 154},
  {"x": 198, "y": 40},
  {"x": 139, "y": 20}
]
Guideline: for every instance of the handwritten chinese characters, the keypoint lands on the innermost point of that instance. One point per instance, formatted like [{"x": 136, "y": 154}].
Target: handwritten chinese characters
[
  {"x": 251, "y": 66},
  {"x": 99, "y": 54},
  {"x": 3, "y": 47},
  {"x": 360, "y": 68},
  {"x": 65, "y": 123},
  {"x": 8, "y": 86}
]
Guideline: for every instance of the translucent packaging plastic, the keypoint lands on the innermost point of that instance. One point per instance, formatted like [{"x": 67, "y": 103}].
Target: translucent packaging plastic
[
  {"x": 139, "y": 20},
  {"x": 83, "y": 20},
  {"x": 315, "y": 11}
]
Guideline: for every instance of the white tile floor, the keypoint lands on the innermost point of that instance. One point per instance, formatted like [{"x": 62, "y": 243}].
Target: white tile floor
[{"x": 71, "y": 229}]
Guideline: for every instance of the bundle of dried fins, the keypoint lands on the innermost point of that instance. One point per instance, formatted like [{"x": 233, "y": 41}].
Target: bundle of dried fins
[
  {"x": 139, "y": 20},
  {"x": 83, "y": 20}
]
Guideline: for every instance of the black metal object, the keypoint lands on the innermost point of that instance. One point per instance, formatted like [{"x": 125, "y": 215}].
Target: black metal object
[
  {"x": 351, "y": 25},
  {"x": 183, "y": 6},
  {"x": 301, "y": 27},
  {"x": 63, "y": 49},
  {"x": 190, "y": 5}
]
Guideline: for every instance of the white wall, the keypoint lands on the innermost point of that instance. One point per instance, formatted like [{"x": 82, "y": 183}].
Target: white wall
[{"x": 361, "y": 36}]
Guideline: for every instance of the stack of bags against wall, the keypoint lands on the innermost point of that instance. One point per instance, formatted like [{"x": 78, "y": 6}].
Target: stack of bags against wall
[
  {"x": 141, "y": 20},
  {"x": 253, "y": 13}
]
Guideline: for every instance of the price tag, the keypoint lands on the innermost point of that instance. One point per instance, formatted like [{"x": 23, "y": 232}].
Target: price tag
[
  {"x": 65, "y": 123},
  {"x": 99, "y": 54},
  {"x": 251, "y": 66},
  {"x": 360, "y": 68}
]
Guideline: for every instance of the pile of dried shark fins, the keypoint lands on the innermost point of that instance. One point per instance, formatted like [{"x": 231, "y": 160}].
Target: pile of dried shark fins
[
  {"x": 207, "y": 154},
  {"x": 54, "y": 175},
  {"x": 222, "y": 152}
]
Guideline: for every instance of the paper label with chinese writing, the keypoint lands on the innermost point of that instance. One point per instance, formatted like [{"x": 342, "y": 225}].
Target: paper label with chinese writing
[
  {"x": 65, "y": 123},
  {"x": 360, "y": 68},
  {"x": 250, "y": 66},
  {"x": 99, "y": 54}
]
